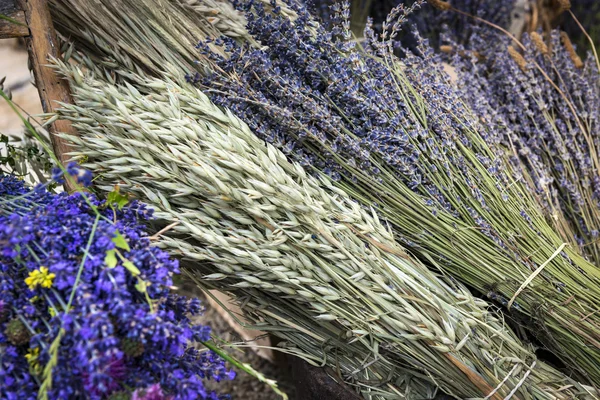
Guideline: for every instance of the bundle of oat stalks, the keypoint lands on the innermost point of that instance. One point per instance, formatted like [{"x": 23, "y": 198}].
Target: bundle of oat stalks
[{"x": 146, "y": 35}]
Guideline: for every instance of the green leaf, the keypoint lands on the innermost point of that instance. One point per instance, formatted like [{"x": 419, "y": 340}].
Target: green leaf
[
  {"x": 120, "y": 242},
  {"x": 111, "y": 259},
  {"x": 12, "y": 21},
  {"x": 117, "y": 198},
  {"x": 141, "y": 286},
  {"x": 131, "y": 268},
  {"x": 122, "y": 202}
]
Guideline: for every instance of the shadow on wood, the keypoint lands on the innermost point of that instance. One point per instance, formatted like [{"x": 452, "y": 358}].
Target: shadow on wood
[{"x": 314, "y": 383}]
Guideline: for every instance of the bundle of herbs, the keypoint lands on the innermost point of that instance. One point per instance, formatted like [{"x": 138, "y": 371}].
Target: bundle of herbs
[
  {"x": 544, "y": 107},
  {"x": 302, "y": 259},
  {"x": 397, "y": 136},
  {"x": 86, "y": 308}
]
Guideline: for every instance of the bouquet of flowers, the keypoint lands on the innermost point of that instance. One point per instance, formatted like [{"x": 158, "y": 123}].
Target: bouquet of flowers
[{"x": 86, "y": 306}]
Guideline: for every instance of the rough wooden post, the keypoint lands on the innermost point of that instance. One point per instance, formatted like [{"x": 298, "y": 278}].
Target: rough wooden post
[
  {"x": 12, "y": 14},
  {"x": 41, "y": 44}
]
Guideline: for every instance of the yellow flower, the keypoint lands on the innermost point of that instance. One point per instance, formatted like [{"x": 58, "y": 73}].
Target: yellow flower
[
  {"x": 32, "y": 359},
  {"x": 32, "y": 354},
  {"x": 40, "y": 277}
]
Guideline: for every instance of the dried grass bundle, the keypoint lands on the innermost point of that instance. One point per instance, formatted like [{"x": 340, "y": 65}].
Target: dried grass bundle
[{"x": 149, "y": 34}]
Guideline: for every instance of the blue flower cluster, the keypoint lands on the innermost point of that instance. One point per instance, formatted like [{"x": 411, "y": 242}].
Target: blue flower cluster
[
  {"x": 86, "y": 308},
  {"x": 80, "y": 175}
]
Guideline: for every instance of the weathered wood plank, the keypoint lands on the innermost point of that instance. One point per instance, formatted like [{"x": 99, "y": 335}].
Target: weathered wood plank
[
  {"x": 41, "y": 44},
  {"x": 9, "y": 10}
]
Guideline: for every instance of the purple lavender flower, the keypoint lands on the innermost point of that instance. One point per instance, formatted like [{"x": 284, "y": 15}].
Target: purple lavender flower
[
  {"x": 81, "y": 175},
  {"x": 153, "y": 392},
  {"x": 120, "y": 332}
]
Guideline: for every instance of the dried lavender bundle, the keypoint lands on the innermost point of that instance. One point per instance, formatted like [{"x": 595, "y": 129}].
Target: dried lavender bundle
[
  {"x": 400, "y": 138},
  {"x": 302, "y": 258},
  {"x": 546, "y": 112}
]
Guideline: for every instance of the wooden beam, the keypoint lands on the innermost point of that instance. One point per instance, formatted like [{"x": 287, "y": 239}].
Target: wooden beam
[
  {"x": 41, "y": 44},
  {"x": 12, "y": 20}
]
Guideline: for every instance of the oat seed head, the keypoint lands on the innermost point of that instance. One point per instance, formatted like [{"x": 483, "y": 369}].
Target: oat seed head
[
  {"x": 539, "y": 43},
  {"x": 440, "y": 4}
]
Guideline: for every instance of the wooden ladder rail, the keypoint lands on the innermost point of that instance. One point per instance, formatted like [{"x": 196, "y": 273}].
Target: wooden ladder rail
[{"x": 31, "y": 19}]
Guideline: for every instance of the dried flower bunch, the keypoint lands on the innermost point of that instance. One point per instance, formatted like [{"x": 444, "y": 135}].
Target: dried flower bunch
[
  {"x": 399, "y": 137},
  {"x": 544, "y": 106},
  {"x": 302, "y": 258},
  {"x": 86, "y": 309}
]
